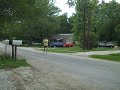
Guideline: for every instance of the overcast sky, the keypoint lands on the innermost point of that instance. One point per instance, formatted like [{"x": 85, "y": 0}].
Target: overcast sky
[{"x": 65, "y": 8}]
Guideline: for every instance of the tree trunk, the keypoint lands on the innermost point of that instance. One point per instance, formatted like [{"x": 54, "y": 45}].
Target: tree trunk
[
  {"x": 84, "y": 27},
  {"x": 89, "y": 28},
  {"x": 29, "y": 41}
]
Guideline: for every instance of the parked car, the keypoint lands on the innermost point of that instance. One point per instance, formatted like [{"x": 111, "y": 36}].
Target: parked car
[
  {"x": 56, "y": 44},
  {"x": 68, "y": 44},
  {"x": 35, "y": 43},
  {"x": 106, "y": 44}
]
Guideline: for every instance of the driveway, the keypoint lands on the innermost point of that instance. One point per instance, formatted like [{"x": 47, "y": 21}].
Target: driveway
[{"x": 71, "y": 72}]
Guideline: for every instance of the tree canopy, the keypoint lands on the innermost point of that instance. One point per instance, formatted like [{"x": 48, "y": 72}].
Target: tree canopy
[
  {"x": 102, "y": 19},
  {"x": 92, "y": 22},
  {"x": 26, "y": 19}
]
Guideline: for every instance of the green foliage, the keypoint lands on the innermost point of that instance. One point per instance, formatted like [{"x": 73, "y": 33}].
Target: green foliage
[
  {"x": 91, "y": 40},
  {"x": 27, "y": 19},
  {"x": 7, "y": 62},
  {"x": 65, "y": 25},
  {"x": 117, "y": 33},
  {"x": 11, "y": 11},
  {"x": 43, "y": 21},
  {"x": 108, "y": 19},
  {"x": 103, "y": 19},
  {"x": 111, "y": 57},
  {"x": 84, "y": 22},
  {"x": 30, "y": 19}
]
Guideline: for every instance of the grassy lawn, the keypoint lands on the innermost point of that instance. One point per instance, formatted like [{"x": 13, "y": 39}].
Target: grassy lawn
[
  {"x": 9, "y": 63},
  {"x": 112, "y": 57},
  {"x": 72, "y": 49},
  {"x": 35, "y": 46},
  {"x": 64, "y": 49},
  {"x": 101, "y": 49}
]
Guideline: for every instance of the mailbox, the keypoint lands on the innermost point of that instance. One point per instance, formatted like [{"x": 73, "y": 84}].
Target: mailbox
[
  {"x": 17, "y": 42},
  {"x": 6, "y": 42}
]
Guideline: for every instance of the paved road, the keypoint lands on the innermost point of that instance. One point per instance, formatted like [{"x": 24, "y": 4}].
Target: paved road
[{"x": 93, "y": 72}]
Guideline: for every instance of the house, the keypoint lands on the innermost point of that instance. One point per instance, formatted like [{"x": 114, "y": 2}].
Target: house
[{"x": 63, "y": 38}]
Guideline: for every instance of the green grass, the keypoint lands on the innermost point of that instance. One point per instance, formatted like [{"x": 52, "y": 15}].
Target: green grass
[
  {"x": 64, "y": 49},
  {"x": 74, "y": 49},
  {"x": 7, "y": 62},
  {"x": 36, "y": 46},
  {"x": 112, "y": 57},
  {"x": 101, "y": 49}
]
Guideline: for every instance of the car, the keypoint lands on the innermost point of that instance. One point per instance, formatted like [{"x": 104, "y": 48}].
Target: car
[
  {"x": 106, "y": 44},
  {"x": 56, "y": 44},
  {"x": 35, "y": 43},
  {"x": 102, "y": 44},
  {"x": 68, "y": 44},
  {"x": 110, "y": 44}
]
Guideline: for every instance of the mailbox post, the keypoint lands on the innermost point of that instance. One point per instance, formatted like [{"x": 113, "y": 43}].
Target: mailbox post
[
  {"x": 12, "y": 51},
  {"x": 14, "y": 44},
  {"x": 6, "y": 42},
  {"x": 15, "y": 52}
]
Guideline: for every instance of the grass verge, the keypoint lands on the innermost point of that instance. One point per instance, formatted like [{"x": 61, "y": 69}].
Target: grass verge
[
  {"x": 74, "y": 49},
  {"x": 7, "y": 62},
  {"x": 111, "y": 57},
  {"x": 35, "y": 46},
  {"x": 64, "y": 49}
]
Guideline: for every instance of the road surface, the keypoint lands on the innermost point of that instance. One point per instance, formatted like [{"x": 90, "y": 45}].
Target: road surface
[{"x": 92, "y": 72}]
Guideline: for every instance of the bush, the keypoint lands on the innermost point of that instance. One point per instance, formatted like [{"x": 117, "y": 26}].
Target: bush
[
  {"x": 91, "y": 40},
  {"x": 117, "y": 31}
]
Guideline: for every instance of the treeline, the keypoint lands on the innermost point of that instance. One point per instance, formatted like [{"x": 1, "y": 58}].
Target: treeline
[
  {"x": 29, "y": 19},
  {"x": 95, "y": 22}
]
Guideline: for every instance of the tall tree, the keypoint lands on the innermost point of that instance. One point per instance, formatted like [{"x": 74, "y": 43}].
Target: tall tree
[
  {"x": 65, "y": 26},
  {"x": 85, "y": 12},
  {"x": 108, "y": 19},
  {"x": 11, "y": 11}
]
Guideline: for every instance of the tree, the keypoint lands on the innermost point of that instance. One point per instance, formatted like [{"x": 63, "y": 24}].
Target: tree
[
  {"x": 38, "y": 19},
  {"x": 71, "y": 22},
  {"x": 108, "y": 19},
  {"x": 65, "y": 26},
  {"x": 117, "y": 33},
  {"x": 11, "y": 11},
  {"x": 85, "y": 12}
]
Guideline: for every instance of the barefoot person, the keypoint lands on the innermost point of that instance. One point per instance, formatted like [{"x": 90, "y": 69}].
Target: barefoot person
[{"x": 45, "y": 43}]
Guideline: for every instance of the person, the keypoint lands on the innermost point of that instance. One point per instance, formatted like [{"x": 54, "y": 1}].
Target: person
[{"x": 45, "y": 43}]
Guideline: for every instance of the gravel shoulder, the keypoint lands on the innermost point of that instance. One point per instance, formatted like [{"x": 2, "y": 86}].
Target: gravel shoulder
[{"x": 29, "y": 78}]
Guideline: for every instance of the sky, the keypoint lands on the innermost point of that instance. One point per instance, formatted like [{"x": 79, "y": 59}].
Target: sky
[{"x": 65, "y": 8}]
